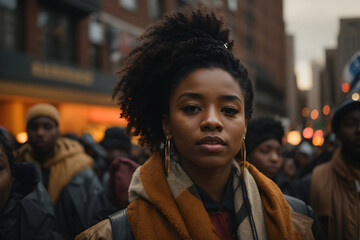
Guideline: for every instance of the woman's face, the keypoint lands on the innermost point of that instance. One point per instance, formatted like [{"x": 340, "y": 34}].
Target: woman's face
[
  {"x": 206, "y": 119},
  {"x": 266, "y": 157},
  {"x": 5, "y": 179}
]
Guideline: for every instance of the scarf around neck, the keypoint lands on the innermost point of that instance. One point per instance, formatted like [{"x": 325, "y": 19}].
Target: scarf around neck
[
  {"x": 170, "y": 207},
  {"x": 69, "y": 159}
]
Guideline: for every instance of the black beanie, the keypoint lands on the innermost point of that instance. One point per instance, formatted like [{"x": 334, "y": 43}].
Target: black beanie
[{"x": 262, "y": 129}]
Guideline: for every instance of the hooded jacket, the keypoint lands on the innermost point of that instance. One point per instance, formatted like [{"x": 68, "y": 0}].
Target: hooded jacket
[
  {"x": 335, "y": 199},
  {"x": 158, "y": 212},
  {"x": 74, "y": 188},
  {"x": 29, "y": 213}
]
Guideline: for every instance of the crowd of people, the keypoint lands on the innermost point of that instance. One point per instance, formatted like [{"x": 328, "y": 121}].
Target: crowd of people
[{"x": 204, "y": 169}]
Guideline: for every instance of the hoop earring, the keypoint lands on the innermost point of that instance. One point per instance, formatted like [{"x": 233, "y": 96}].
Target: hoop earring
[
  {"x": 167, "y": 155},
  {"x": 243, "y": 155}
]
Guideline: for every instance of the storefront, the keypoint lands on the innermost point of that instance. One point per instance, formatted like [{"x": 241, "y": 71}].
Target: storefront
[{"x": 82, "y": 96}]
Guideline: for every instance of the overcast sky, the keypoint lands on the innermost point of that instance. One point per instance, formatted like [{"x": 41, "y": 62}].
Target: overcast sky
[{"x": 315, "y": 26}]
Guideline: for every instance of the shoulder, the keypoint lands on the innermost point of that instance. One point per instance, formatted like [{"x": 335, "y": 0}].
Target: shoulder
[
  {"x": 101, "y": 230},
  {"x": 116, "y": 226},
  {"x": 299, "y": 206},
  {"x": 304, "y": 218}
]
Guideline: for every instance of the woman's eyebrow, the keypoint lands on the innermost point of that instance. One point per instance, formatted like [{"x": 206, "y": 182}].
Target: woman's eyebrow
[
  {"x": 230, "y": 98},
  {"x": 190, "y": 95}
]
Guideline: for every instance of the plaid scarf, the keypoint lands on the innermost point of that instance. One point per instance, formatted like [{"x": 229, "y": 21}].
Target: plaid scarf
[{"x": 170, "y": 207}]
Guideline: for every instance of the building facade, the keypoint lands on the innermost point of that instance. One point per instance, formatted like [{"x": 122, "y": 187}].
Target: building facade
[{"x": 67, "y": 53}]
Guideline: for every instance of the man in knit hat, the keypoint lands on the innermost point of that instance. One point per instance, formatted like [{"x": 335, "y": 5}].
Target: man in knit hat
[
  {"x": 73, "y": 187},
  {"x": 335, "y": 188}
]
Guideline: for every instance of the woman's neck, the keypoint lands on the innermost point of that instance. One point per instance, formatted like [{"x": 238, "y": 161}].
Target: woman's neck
[{"x": 213, "y": 181}]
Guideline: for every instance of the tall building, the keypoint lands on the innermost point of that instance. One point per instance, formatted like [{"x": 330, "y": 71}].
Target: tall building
[{"x": 67, "y": 53}]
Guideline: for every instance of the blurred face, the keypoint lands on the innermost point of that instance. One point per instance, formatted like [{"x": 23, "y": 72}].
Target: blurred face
[
  {"x": 266, "y": 157},
  {"x": 5, "y": 179},
  {"x": 349, "y": 132},
  {"x": 206, "y": 120},
  {"x": 289, "y": 167},
  {"x": 42, "y": 133}
]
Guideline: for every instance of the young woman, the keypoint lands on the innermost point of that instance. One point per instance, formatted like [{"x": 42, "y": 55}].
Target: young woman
[{"x": 183, "y": 91}]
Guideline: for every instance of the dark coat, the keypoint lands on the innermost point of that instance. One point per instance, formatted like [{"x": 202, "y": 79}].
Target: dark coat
[
  {"x": 29, "y": 213},
  {"x": 81, "y": 204}
]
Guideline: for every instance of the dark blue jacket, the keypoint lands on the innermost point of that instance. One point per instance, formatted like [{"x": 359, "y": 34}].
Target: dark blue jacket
[{"x": 29, "y": 213}]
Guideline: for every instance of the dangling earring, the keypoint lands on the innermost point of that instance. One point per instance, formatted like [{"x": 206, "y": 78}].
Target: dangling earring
[
  {"x": 167, "y": 155},
  {"x": 243, "y": 154}
]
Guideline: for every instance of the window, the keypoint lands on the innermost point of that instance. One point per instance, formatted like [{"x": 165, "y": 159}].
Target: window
[
  {"x": 57, "y": 34},
  {"x": 232, "y": 5},
  {"x": 96, "y": 39},
  {"x": 130, "y": 5},
  {"x": 11, "y": 24},
  {"x": 156, "y": 9}
]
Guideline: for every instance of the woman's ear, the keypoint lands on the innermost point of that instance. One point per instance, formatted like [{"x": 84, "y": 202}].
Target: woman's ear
[{"x": 166, "y": 125}]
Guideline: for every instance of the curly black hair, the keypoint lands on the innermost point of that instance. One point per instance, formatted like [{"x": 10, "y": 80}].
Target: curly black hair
[
  {"x": 261, "y": 129},
  {"x": 166, "y": 52}
]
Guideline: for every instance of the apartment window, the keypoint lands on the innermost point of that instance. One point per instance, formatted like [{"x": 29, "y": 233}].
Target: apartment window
[
  {"x": 156, "y": 9},
  {"x": 11, "y": 24},
  {"x": 57, "y": 34},
  {"x": 130, "y": 5},
  {"x": 96, "y": 39},
  {"x": 232, "y": 5}
]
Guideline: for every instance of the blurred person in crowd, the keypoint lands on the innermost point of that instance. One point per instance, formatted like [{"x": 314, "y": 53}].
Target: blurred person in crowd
[
  {"x": 263, "y": 145},
  {"x": 302, "y": 156},
  {"x": 65, "y": 168},
  {"x": 97, "y": 152},
  {"x": 26, "y": 211},
  {"x": 335, "y": 188},
  {"x": 117, "y": 178},
  {"x": 289, "y": 167},
  {"x": 183, "y": 91},
  {"x": 324, "y": 155},
  {"x": 264, "y": 150}
]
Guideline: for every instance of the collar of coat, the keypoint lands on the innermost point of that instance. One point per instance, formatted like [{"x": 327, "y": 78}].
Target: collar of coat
[
  {"x": 69, "y": 159},
  {"x": 160, "y": 211}
]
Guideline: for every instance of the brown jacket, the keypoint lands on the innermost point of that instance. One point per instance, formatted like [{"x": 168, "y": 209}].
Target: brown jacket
[
  {"x": 157, "y": 222},
  {"x": 335, "y": 200}
]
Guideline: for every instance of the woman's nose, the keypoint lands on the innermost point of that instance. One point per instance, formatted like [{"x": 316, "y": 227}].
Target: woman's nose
[{"x": 212, "y": 120}]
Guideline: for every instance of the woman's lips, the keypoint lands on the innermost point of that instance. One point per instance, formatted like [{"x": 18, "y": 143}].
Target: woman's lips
[{"x": 211, "y": 144}]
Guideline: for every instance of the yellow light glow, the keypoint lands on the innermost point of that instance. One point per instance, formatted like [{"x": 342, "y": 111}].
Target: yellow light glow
[
  {"x": 21, "y": 137},
  {"x": 318, "y": 141},
  {"x": 355, "y": 96},
  {"x": 294, "y": 137}
]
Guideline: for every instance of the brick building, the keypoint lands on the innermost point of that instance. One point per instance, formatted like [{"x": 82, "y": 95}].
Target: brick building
[{"x": 66, "y": 52}]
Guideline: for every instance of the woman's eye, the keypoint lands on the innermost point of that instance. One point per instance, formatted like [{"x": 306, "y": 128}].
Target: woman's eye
[
  {"x": 230, "y": 110},
  {"x": 191, "y": 109}
]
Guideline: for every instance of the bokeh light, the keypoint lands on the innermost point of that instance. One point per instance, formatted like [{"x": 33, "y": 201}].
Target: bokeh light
[
  {"x": 345, "y": 87},
  {"x": 21, "y": 137},
  {"x": 305, "y": 112},
  {"x": 318, "y": 141},
  {"x": 326, "y": 110},
  {"x": 308, "y": 132},
  {"x": 294, "y": 138},
  {"x": 314, "y": 114},
  {"x": 355, "y": 96}
]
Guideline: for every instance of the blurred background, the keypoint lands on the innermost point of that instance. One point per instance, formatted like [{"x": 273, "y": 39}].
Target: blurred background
[{"x": 66, "y": 52}]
